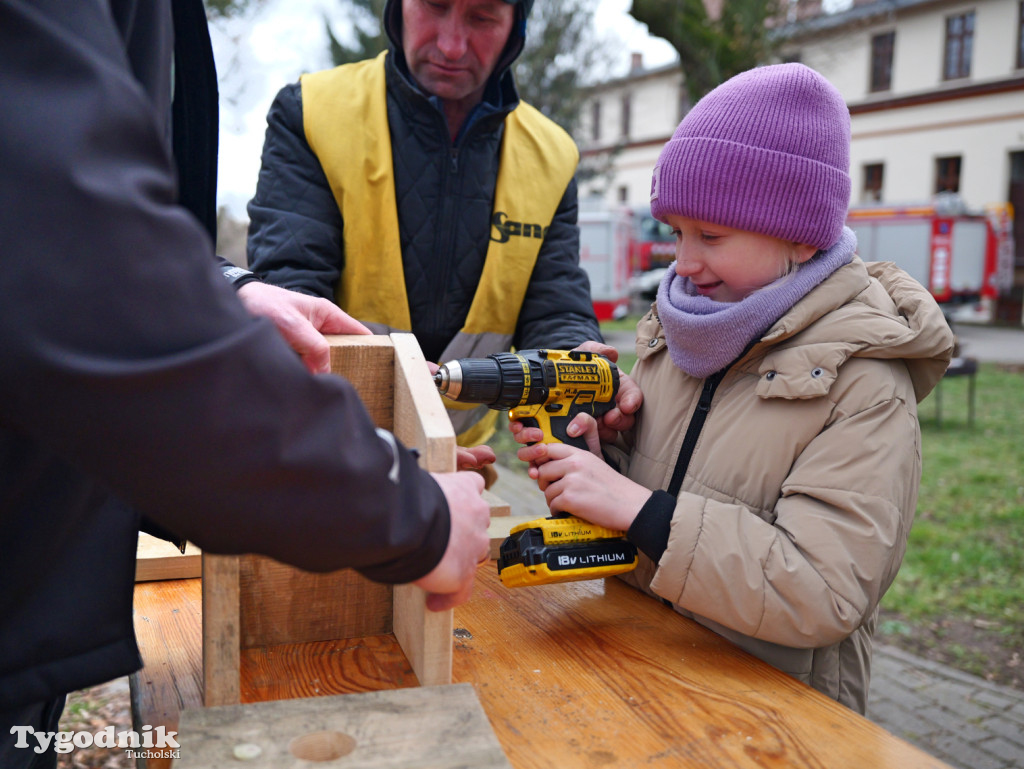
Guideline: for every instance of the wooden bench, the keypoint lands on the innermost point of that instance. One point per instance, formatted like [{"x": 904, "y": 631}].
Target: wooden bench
[{"x": 576, "y": 675}]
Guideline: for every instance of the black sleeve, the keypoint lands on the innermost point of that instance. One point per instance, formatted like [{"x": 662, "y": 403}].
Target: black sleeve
[
  {"x": 295, "y": 227},
  {"x": 126, "y": 353},
  {"x": 650, "y": 529},
  {"x": 557, "y": 311}
]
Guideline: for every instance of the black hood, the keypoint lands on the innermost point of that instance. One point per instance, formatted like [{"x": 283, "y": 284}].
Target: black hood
[{"x": 514, "y": 46}]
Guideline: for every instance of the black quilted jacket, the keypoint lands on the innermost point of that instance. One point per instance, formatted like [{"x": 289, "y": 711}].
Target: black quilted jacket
[{"x": 444, "y": 193}]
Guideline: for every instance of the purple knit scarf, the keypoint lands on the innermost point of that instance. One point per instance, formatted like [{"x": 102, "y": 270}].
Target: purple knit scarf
[{"x": 705, "y": 336}]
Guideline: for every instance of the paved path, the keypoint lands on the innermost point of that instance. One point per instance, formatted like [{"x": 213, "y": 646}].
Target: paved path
[
  {"x": 962, "y": 719},
  {"x": 991, "y": 345}
]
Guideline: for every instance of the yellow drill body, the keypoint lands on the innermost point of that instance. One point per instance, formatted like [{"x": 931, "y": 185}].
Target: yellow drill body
[{"x": 546, "y": 389}]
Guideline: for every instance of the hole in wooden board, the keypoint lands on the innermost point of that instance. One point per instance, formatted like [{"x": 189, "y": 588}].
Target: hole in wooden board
[{"x": 322, "y": 746}]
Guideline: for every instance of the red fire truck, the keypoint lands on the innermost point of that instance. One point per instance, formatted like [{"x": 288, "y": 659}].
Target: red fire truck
[
  {"x": 964, "y": 258},
  {"x": 652, "y": 248},
  {"x": 604, "y": 256},
  {"x": 652, "y": 245}
]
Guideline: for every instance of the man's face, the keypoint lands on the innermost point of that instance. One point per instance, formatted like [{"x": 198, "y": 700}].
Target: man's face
[{"x": 452, "y": 46}]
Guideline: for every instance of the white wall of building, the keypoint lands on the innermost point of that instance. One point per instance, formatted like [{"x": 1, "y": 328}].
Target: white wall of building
[
  {"x": 655, "y": 112},
  {"x": 907, "y": 140}
]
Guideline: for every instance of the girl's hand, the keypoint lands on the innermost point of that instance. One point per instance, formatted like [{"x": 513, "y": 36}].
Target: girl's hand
[
  {"x": 627, "y": 401},
  {"x": 581, "y": 484},
  {"x": 581, "y": 425}
]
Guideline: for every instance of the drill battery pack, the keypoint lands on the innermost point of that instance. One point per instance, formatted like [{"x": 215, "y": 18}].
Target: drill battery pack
[{"x": 562, "y": 549}]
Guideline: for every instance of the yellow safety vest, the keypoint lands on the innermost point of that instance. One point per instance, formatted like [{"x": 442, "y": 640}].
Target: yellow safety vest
[{"x": 538, "y": 159}]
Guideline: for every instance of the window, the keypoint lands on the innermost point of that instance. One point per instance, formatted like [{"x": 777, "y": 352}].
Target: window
[
  {"x": 1020, "y": 35},
  {"x": 595, "y": 120},
  {"x": 881, "y": 61},
  {"x": 947, "y": 174},
  {"x": 623, "y": 193},
  {"x": 626, "y": 110},
  {"x": 959, "y": 42},
  {"x": 872, "y": 192}
]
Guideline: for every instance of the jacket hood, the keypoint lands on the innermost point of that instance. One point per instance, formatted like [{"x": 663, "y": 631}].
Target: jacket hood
[
  {"x": 392, "y": 19},
  {"x": 865, "y": 310}
]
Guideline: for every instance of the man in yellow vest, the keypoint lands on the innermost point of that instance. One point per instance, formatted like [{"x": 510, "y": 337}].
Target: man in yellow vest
[{"x": 420, "y": 193}]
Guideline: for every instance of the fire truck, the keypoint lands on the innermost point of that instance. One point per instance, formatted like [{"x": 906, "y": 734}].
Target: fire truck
[
  {"x": 604, "y": 256},
  {"x": 964, "y": 258},
  {"x": 652, "y": 245},
  {"x": 652, "y": 248}
]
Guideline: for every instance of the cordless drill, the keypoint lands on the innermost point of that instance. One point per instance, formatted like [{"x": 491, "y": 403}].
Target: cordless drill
[{"x": 546, "y": 389}]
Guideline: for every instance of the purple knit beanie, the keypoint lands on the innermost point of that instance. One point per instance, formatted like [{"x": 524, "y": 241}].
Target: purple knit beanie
[{"x": 767, "y": 151}]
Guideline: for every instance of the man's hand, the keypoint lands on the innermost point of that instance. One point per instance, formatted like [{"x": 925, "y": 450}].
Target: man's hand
[
  {"x": 451, "y": 581},
  {"x": 302, "y": 320}
]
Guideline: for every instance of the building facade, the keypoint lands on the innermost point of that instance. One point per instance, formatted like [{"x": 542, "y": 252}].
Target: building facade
[{"x": 935, "y": 90}]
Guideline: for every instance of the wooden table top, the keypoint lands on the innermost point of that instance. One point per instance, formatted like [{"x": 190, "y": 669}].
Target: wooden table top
[{"x": 578, "y": 675}]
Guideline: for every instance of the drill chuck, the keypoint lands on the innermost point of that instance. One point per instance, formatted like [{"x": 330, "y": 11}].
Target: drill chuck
[{"x": 501, "y": 381}]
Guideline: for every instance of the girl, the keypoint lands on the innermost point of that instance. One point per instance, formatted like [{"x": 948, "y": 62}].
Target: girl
[{"x": 771, "y": 477}]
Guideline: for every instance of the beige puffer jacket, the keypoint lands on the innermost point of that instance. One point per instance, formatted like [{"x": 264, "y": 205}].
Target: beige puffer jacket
[{"x": 793, "y": 514}]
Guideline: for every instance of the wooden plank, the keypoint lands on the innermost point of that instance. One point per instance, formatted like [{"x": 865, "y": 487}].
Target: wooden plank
[
  {"x": 499, "y": 507},
  {"x": 221, "y": 641},
  {"x": 281, "y": 604},
  {"x": 421, "y": 422},
  {"x": 500, "y": 527},
  {"x": 168, "y": 630},
  {"x": 420, "y": 419},
  {"x": 366, "y": 664},
  {"x": 442, "y": 727},
  {"x": 159, "y": 559},
  {"x": 367, "y": 362}
]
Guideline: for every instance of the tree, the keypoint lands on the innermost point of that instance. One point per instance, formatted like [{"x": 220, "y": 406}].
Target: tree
[
  {"x": 561, "y": 51},
  {"x": 712, "y": 47},
  {"x": 369, "y": 32},
  {"x": 227, "y": 8}
]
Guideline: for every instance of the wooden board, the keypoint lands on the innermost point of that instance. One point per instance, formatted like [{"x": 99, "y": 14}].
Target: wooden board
[
  {"x": 421, "y": 422},
  {"x": 159, "y": 559},
  {"x": 168, "y": 631},
  {"x": 442, "y": 727},
  {"x": 499, "y": 507},
  {"x": 500, "y": 527},
  {"x": 281, "y": 604},
  {"x": 367, "y": 363},
  {"x": 221, "y": 641}
]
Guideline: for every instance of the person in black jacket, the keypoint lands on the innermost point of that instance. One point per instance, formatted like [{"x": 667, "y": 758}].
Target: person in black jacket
[
  {"x": 388, "y": 186},
  {"x": 133, "y": 379}
]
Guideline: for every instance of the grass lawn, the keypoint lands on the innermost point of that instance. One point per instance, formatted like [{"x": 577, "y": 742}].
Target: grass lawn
[{"x": 958, "y": 596}]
